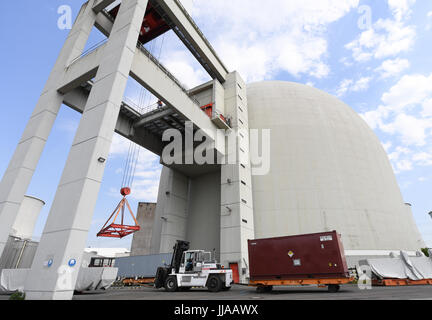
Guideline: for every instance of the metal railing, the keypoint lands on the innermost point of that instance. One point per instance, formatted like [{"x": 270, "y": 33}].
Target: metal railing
[
  {"x": 108, "y": 15},
  {"x": 131, "y": 104},
  {"x": 97, "y": 45},
  {"x": 141, "y": 110},
  {"x": 88, "y": 51}
]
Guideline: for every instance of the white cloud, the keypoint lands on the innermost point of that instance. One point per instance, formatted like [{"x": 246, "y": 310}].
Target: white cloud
[
  {"x": 362, "y": 84},
  {"x": 374, "y": 118},
  {"x": 404, "y": 165},
  {"x": 411, "y": 129},
  {"x": 423, "y": 158},
  {"x": 387, "y": 37},
  {"x": 429, "y": 25},
  {"x": 400, "y": 160},
  {"x": 409, "y": 90},
  {"x": 147, "y": 173},
  {"x": 348, "y": 85},
  {"x": 119, "y": 145},
  {"x": 390, "y": 68},
  {"x": 427, "y": 108},
  {"x": 189, "y": 74},
  {"x": 259, "y": 43},
  {"x": 401, "y": 8},
  {"x": 398, "y": 115}
]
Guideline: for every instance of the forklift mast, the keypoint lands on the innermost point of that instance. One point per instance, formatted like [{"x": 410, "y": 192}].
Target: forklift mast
[
  {"x": 180, "y": 247},
  {"x": 162, "y": 273}
]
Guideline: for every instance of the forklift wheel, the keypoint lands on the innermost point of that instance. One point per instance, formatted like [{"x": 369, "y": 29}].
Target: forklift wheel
[
  {"x": 214, "y": 284},
  {"x": 333, "y": 288},
  {"x": 171, "y": 284}
]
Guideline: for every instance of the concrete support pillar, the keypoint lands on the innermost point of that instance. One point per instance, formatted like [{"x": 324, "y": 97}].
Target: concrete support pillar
[
  {"x": 58, "y": 259},
  {"x": 237, "y": 219},
  {"x": 21, "y": 168},
  {"x": 173, "y": 214}
]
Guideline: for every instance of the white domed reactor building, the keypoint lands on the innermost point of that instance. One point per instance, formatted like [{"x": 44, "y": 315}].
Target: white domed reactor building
[{"x": 328, "y": 171}]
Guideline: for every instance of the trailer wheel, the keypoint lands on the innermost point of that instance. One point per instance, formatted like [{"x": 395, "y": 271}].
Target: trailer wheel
[
  {"x": 214, "y": 284},
  {"x": 171, "y": 284},
  {"x": 264, "y": 289},
  {"x": 333, "y": 288}
]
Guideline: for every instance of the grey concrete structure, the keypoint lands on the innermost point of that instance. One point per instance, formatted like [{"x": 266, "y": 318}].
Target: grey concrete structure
[
  {"x": 141, "y": 243},
  {"x": 93, "y": 83},
  {"x": 327, "y": 168}
]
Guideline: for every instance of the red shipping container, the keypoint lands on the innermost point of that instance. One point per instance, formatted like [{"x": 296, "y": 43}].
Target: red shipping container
[{"x": 309, "y": 256}]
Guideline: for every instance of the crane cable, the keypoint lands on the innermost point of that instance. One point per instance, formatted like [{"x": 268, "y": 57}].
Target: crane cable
[{"x": 134, "y": 149}]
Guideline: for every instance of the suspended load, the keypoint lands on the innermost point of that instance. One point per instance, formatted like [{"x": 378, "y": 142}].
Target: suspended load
[{"x": 111, "y": 229}]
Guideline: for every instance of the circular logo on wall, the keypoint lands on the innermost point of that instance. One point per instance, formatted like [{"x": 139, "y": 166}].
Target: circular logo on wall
[{"x": 72, "y": 262}]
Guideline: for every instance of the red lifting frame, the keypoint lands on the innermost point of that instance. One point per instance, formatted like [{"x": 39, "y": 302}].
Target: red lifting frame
[
  {"x": 153, "y": 24},
  {"x": 114, "y": 230},
  {"x": 208, "y": 109}
]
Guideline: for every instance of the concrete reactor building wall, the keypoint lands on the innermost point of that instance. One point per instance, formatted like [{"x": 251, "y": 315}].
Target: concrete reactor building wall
[{"x": 328, "y": 172}]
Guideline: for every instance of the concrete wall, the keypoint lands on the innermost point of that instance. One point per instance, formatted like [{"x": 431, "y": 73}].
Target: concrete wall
[
  {"x": 328, "y": 172},
  {"x": 187, "y": 209},
  {"x": 203, "y": 226},
  {"x": 141, "y": 243},
  {"x": 171, "y": 211}
]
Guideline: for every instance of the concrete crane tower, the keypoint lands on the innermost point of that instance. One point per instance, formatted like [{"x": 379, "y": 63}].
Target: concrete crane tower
[
  {"x": 94, "y": 84},
  {"x": 328, "y": 171}
]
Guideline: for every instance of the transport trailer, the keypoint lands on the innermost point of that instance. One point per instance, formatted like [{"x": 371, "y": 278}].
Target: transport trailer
[{"x": 310, "y": 259}]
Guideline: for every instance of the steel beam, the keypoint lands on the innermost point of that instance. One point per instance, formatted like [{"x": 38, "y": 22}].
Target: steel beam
[
  {"x": 99, "y": 5},
  {"x": 150, "y": 75},
  {"x": 187, "y": 30}
]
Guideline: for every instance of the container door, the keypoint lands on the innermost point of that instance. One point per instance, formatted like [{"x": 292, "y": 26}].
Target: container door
[{"x": 235, "y": 270}]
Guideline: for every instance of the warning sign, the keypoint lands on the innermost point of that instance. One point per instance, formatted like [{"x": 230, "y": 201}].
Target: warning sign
[{"x": 326, "y": 238}]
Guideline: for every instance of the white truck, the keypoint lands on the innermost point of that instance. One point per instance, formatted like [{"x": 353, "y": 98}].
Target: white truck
[{"x": 193, "y": 268}]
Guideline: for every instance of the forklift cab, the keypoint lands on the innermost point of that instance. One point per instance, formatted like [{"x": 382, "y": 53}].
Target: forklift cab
[{"x": 193, "y": 260}]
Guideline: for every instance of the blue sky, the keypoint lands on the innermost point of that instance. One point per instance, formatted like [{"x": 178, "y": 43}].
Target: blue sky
[{"x": 380, "y": 66}]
